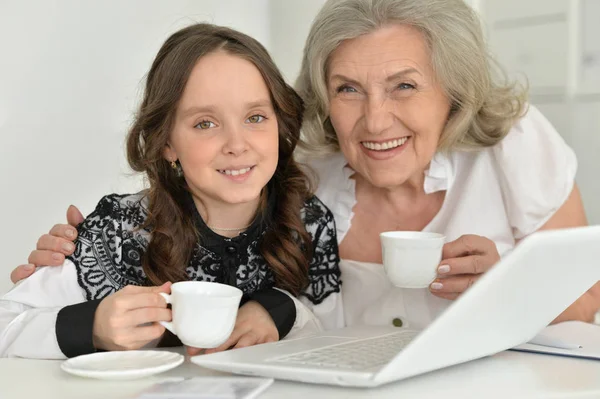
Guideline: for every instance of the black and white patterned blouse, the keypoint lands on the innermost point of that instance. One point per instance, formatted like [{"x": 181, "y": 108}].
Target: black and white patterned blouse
[
  {"x": 111, "y": 243},
  {"x": 108, "y": 252},
  {"x": 52, "y": 312}
]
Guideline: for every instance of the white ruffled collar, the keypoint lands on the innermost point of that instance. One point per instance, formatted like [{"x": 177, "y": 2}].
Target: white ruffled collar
[
  {"x": 337, "y": 188},
  {"x": 438, "y": 177}
]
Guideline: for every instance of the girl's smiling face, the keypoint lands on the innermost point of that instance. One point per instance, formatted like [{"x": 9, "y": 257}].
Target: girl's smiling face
[{"x": 225, "y": 133}]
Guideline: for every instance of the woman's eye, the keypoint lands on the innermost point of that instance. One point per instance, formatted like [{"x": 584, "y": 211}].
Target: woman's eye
[
  {"x": 205, "y": 125},
  {"x": 255, "y": 119},
  {"x": 346, "y": 89},
  {"x": 405, "y": 86}
]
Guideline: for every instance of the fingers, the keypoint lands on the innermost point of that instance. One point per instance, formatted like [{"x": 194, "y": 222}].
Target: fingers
[
  {"x": 453, "y": 285},
  {"x": 247, "y": 339},
  {"x": 21, "y": 272},
  {"x": 64, "y": 231},
  {"x": 468, "y": 244},
  {"x": 136, "y": 338},
  {"x": 135, "y": 289},
  {"x": 74, "y": 216},
  {"x": 45, "y": 258},
  {"x": 232, "y": 340},
  {"x": 149, "y": 315},
  {"x": 470, "y": 264},
  {"x": 148, "y": 333},
  {"x": 193, "y": 351},
  {"x": 51, "y": 248},
  {"x": 166, "y": 288},
  {"x": 135, "y": 300},
  {"x": 48, "y": 242},
  {"x": 443, "y": 295}
]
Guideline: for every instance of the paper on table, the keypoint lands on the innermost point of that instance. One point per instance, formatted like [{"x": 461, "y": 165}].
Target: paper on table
[
  {"x": 208, "y": 388},
  {"x": 573, "y": 332}
]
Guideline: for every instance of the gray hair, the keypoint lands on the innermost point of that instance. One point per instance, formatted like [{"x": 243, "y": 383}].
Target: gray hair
[{"x": 483, "y": 109}]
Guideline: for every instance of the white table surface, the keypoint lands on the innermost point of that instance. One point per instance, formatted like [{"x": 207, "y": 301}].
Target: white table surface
[{"x": 505, "y": 375}]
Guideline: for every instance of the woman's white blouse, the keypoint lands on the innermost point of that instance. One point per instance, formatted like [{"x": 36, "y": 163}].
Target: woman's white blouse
[{"x": 504, "y": 192}]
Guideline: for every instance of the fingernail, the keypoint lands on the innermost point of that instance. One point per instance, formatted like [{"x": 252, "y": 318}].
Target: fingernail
[
  {"x": 68, "y": 247},
  {"x": 58, "y": 257},
  {"x": 29, "y": 267},
  {"x": 70, "y": 233},
  {"x": 437, "y": 286},
  {"x": 443, "y": 269}
]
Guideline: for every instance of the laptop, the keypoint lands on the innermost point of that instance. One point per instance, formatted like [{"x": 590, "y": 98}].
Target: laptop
[{"x": 507, "y": 307}]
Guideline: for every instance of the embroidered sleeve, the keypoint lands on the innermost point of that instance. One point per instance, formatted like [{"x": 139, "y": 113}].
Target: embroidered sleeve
[
  {"x": 324, "y": 271},
  {"x": 108, "y": 250}
]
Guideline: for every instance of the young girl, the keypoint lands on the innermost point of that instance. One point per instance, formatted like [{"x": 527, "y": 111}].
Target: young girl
[{"x": 227, "y": 202}]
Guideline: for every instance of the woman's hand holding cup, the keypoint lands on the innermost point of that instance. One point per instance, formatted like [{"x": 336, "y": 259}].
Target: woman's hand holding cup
[
  {"x": 463, "y": 262},
  {"x": 414, "y": 259}
]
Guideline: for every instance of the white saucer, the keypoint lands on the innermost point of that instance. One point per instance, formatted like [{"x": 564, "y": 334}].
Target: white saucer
[{"x": 124, "y": 365}]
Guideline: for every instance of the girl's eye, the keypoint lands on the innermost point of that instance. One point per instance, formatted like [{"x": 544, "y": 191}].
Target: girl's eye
[
  {"x": 205, "y": 125},
  {"x": 255, "y": 119},
  {"x": 346, "y": 89}
]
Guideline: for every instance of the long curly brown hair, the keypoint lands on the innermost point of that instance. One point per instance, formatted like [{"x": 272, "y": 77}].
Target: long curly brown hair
[{"x": 286, "y": 245}]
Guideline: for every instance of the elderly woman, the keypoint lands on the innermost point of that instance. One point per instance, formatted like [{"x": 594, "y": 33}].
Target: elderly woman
[{"x": 407, "y": 129}]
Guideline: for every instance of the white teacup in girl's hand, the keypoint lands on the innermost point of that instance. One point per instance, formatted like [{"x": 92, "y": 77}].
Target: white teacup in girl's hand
[
  {"x": 204, "y": 313},
  {"x": 411, "y": 258}
]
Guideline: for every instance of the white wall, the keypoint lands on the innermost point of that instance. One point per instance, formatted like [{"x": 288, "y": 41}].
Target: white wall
[
  {"x": 70, "y": 74},
  {"x": 290, "y": 23},
  {"x": 554, "y": 44}
]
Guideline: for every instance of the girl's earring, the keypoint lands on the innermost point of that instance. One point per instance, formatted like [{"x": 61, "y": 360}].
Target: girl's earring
[{"x": 177, "y": 168}]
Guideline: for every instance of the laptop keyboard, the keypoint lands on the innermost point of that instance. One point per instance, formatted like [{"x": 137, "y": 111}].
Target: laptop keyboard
[{"x": 355, "y": 355}]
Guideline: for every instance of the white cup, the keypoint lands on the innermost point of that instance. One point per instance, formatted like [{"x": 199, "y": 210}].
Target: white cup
[
  {"x": 411, "y": 258},
  {"x": 204, "y": 313}
]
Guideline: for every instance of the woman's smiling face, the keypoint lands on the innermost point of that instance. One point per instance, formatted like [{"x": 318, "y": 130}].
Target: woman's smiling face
[{"x": 386, "y": 106}]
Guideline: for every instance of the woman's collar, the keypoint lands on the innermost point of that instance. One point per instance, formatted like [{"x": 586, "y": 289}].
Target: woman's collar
[{"x": 438, "y": 176}]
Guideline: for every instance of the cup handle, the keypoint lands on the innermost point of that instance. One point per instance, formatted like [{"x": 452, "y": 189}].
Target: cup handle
[{"x": 167, "y": 324}]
